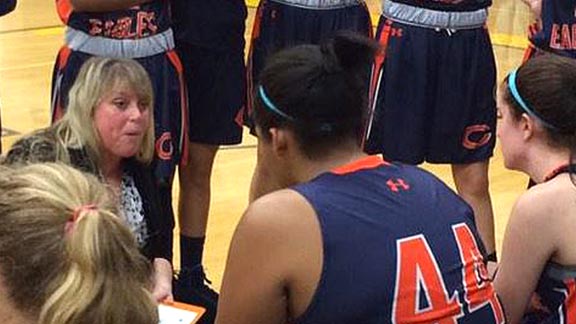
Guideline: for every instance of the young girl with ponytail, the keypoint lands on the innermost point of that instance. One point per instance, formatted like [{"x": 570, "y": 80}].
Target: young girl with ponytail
[{"x": 65, "y": 257}]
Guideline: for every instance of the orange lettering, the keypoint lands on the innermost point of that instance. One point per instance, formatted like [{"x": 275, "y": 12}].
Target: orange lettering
[
  {"x": 122, "y": 29},
  {"x": 164, "y": 147},
  {"x": 574, "y": 36},
  {"x": 555, "y": 37},
  {"x": 145, "y": 25},
  {"x": 566, "y": 41},
  {"x": 476, "y": 136},
  {"x": 395, "y": 186},
  {"x": 478, "y": 288},
  {"x": 95, "y": 27},
  {"x": 570, "y": 300},
  {"x": 418, "y": 275}
]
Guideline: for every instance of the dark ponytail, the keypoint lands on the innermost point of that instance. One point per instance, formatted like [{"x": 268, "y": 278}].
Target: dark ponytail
[
  {"x": 318, "y": 91},
  {"x": 352, "y": 51}
]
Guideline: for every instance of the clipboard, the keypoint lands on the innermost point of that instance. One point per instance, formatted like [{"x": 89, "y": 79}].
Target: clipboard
[{"x": 179, "y": 313}]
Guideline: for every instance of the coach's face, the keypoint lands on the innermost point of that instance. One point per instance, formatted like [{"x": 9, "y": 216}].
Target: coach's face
[{"x": 122, "y": 119}]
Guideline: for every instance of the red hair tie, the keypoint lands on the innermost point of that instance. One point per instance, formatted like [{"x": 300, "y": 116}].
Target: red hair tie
[{"x": 76, "y": 214}]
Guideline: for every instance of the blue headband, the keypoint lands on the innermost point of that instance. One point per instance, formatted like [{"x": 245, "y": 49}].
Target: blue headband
[
  {"x": 518, "y": 98},
  {"x": 324, "y": 127},
  {"x": 270, "y": 105}
]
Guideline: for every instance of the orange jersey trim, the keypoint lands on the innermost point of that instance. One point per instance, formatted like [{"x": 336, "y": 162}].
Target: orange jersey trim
[
  {"x": 184, "y": 148},
  {"x": 64, "y": 8},
  {"x": 369, "y": 162}
]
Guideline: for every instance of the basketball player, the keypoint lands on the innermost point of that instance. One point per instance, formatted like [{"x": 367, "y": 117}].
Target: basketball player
[
  {"x": 537, "y": 132},
  {"x": 553, "y": 30},
  {"x": 355, "y": 239},
  {"x": 284, "y": 23},
  {"x": 433, "y": 94},
  {"x": 210, "y": 41}
]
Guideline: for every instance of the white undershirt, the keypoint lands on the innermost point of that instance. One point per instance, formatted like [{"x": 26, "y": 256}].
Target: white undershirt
[{"x": 132, "y": 210}]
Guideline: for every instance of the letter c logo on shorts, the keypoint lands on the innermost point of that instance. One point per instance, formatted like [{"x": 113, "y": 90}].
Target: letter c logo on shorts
[
  {"x": 164, "y": 148},
  {"x": 476, "y": 136}
]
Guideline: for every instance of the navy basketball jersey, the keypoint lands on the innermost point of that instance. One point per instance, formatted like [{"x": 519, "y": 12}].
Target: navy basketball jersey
[
  {"x": 140, "y": 21},
  {"x": 556, "y": 293},
  {"x": 557, "y": 32},
  {"x": 399, "y": 247},
  {"x": 448, "y": 5}
]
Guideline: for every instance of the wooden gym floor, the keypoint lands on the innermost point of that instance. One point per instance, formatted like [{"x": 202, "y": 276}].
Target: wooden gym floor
[{"x": 31, "y": 36}]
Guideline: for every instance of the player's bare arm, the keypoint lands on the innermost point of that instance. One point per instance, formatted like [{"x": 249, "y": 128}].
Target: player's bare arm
[
  {"x": 274, "y": 262},
  {"x": 528, "y": 244}
]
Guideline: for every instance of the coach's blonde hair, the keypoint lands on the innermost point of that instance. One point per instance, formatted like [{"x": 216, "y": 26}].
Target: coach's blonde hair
[
  {"x": 98, "y": 76},
  {"x": 91, "y": 273}
]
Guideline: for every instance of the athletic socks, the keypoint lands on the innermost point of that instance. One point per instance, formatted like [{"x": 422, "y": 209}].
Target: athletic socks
[{"x": 191, "y": 251}]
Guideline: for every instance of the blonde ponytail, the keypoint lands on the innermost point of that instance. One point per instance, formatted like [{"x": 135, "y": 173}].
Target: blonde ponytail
[{"x": 84, "y": 262}]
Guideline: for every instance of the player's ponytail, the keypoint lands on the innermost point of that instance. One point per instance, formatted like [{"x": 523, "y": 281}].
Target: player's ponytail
[
  {"x": 72, "y": 260},
  {"x": 353, "y": 52},
  {"x": 106, "y": 270}
]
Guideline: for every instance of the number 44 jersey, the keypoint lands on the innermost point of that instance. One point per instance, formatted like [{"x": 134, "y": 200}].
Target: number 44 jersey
[{"x": 399, "y": 247}]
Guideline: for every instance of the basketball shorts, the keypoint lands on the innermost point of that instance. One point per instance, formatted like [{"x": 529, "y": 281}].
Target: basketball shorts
[
  {"x": 216, "y": 86},
  {"x": 432, "y": 95},
  {"x": 279, "y": 25}
]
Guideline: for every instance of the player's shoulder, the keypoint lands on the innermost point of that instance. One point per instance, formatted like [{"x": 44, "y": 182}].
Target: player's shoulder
[
  {"x": 534, "y": 206},
  {"x": 548, "y": 197},
  {"x": 279, "y": 203},
  {"x": 281, "y": 210}
]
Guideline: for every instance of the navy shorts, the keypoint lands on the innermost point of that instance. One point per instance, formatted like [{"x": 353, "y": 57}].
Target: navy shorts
[
  {"x": 7, "y": 6},
  {"x": 278, "y": 25},
  {"x": 216, "y": 83},
  {"x": 170, "y": 105},
  {"x": 432, "y": 95}
]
